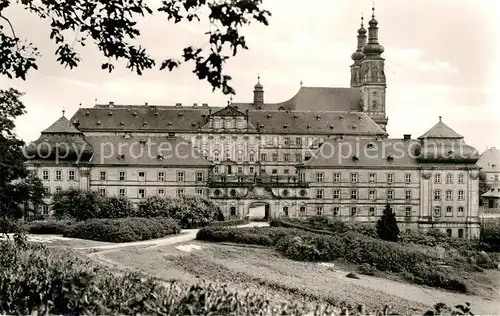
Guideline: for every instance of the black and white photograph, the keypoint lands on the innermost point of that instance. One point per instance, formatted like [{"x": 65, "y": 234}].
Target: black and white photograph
[{"x": 249, "y": 157}]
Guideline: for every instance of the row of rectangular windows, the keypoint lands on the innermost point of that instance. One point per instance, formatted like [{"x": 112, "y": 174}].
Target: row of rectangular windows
[
  {"x": 372, "y": 194},
  {"x": 141, "y": 193},
  {"x": 251, "y": 157},
  {"x": 371, "y": 211},
  {"x": 274, "y": 141},
  {"x": 122, "y": 192},
  {"x": 160, "y": 176},
  {"x": 181, "y": 176},
  {"x": 372, "y": 177},
  {"x": 58, "y": 175}
]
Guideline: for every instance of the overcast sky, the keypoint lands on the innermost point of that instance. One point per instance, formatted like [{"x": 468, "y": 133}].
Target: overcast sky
[{"x": 442, "y": 58}]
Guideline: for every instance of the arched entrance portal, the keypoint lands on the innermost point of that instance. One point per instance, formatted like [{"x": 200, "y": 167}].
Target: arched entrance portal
[{"x": 259, "y": 210}]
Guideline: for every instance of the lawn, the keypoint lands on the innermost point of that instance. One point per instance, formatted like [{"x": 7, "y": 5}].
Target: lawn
[{"x": 256, "y": 269}]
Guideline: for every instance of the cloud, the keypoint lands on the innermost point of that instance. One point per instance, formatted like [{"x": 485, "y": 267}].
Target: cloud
[{"x": 411, "y": 59}]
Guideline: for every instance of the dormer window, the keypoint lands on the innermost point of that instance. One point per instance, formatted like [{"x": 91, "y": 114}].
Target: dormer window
[
  {"x": 285, "y": 126},
  {"x": 98, "y": 123},
  {"x": 354, "y": 127},
  {"x": 295, "y": 116},
  {"x": 134, "y": 114},
  {"x": 268, "y": 116},
  {"x": 145, "y": 123},
  {"x": 193, "y": 124},
  {"x": 355, "y": 158},
  {"x": 143, "y": 142},
  {"x": 160, "y": 157},
  {"x": 110, "y": 113},
  {"x": 308, "y": 126},
  {"x": 370, "y": 145},
  {"x": 157, "y": 114},
  {"x": 122, "y": 123},
  {"x": 87, "y": 113},
  {"x": 318, "y": 117},
  {"x": 332, "y": 126},
  {"x": 180, "y": 114},
  {"x": 261, "y": 125},
  {"x": 169, "y": 123},
  {"x": 341, "y": 117},
  {"x": 122, "y": 156},
  {"x": 390, "y": 158}
]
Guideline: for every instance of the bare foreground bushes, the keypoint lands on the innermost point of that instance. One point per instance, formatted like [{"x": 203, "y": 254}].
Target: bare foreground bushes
[{"x": 35, "y": 279}]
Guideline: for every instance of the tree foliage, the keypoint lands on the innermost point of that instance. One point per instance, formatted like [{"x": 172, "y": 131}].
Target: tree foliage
[
  {"x": 387, "y": 226},
  {"x": 112, "y": 26},
  {"x": 14, "y": 191}
]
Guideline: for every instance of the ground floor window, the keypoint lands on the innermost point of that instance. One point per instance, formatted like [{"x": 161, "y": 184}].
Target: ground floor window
[
  {"x": 371, "y": 211},
  {"x": 448, "y": 232},
  {"x": 285, "y": 210},
  {"x": 233, "y": 210},
  {"x": 319, "y": 210},
  {"x": 461, "y": 233}
]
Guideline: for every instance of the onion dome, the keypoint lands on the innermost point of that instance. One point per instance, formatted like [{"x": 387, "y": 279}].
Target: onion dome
[
  {"x": 258, "y": 86},
  {"x": 373, "y": 47},
  {"x": 62, "y": 141},
  {"x": 358, "y": 54}
]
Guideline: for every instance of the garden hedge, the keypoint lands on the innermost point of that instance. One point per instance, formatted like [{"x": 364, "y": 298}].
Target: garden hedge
[{"x": 124, "y": 229}]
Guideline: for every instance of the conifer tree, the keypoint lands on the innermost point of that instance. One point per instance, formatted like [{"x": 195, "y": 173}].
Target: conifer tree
[{"x": 387, "y": 226}]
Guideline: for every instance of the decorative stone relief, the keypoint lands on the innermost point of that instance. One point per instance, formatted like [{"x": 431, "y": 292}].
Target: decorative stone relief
[
  {"x": 426, "y": 174},
  {"x": 474, "y": 175}
]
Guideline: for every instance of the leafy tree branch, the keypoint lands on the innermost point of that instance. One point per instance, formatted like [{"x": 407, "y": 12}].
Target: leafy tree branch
[{"x": 112, "y": 26}]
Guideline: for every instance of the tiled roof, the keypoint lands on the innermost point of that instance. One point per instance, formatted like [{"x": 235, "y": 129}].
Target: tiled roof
[
  {"x": 61, "y": 126},
  {"x": 65, "y": 147},
  {"x": 316, "y": 99},
  {"x": 490, "y": 160},
  {"x": 184, "y": 119},
  {"x": 441, "y": 130},
  {"x": 444, "y": 150},
  {"x": 307, "y": 122},
  {"x": 493, "y": 192},
  {"x": 137, "y": 150},
  {"x": 364, "y": 153},
  {"x": 142, "y": 118}
]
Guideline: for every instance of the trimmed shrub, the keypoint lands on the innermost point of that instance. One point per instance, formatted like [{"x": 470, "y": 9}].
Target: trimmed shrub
[
  {"x": 50, "y": 227},
  {"x": 235, "y": 222},
  {"x": 124, "y": 229},
  {"x": 367, "y": 269}
]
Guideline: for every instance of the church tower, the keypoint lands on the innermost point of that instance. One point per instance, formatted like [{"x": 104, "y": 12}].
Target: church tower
[
  {"x": 373, "y": 83},
  {"x": 357, "y": 56}
]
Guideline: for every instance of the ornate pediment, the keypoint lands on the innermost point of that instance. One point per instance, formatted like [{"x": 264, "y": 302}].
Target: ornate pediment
[{"x": 228, "y": 111}]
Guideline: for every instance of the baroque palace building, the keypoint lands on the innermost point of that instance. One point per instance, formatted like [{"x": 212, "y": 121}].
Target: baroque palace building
[{"x": 324, "y": 152}]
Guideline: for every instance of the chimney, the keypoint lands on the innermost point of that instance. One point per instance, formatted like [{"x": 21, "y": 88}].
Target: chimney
[
  {"x": 407, "y": 136},
  {"x": 195, "y": 105},
  {"x": 178, "y": 105},
  {"x": 145, "y": 104},
  {"x": 111, "y": 104},
  {"x": 205, "y": 105}
]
